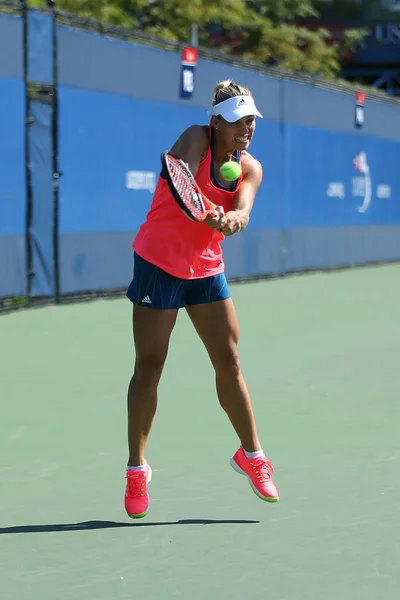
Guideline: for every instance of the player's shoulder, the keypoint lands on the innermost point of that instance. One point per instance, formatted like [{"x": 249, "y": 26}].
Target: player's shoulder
[
  {"x": 194, "y": 141},
  {"x": 198, "y": 133},
  {"x": 250, "y": 165}
]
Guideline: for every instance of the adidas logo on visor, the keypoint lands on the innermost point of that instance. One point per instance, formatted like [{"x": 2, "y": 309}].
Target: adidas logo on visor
[{"x": 242, "y": 102}]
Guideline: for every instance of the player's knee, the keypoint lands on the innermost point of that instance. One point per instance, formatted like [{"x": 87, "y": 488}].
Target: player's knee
[
  {"x": 149, "y": 369},
  {"x": 227, "y": 363}
]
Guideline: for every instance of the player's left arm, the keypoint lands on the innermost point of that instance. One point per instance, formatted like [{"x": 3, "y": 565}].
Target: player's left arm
[{"x": 237, "y": 219}]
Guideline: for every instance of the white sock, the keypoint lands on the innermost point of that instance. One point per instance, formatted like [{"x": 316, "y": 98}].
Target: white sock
[
  {"x": 139, "y": 468},
  {"x": 256, "y": 454}
]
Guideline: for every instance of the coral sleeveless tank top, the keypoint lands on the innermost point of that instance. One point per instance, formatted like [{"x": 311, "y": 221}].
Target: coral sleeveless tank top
[{"x": 179, "y": 246}]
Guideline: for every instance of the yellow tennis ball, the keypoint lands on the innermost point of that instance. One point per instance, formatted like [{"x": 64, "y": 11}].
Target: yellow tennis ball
[{"x": 230, "y": 170}]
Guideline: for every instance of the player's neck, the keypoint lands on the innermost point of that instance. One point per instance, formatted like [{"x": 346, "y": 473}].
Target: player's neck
[{"x": 222, "y": 153}]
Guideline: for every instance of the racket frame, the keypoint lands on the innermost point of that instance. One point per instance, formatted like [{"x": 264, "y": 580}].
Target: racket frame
[{"x": 207, "y": 206}]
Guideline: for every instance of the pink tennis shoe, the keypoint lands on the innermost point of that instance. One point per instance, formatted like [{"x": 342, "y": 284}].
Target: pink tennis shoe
[
  {"x": 258, "y": 471},
  {"x": 137, "y": 499}
]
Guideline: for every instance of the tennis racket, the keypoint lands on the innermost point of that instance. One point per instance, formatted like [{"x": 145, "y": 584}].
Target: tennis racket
[{"x": 185, "y": 189}]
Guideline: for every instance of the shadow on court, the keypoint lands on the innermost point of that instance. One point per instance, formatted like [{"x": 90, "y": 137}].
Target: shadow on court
[{"x": 113, "y": 524}]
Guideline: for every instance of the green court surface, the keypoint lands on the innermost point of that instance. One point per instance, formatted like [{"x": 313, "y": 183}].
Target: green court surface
[{"x": 321, "y": 355}]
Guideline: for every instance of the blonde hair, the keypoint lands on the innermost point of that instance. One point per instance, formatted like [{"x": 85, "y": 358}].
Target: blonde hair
[{"x": 228, "y": 89}]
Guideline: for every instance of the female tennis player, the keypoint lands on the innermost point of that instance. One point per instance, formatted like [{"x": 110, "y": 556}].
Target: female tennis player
[{"x": 178, "y": 263}]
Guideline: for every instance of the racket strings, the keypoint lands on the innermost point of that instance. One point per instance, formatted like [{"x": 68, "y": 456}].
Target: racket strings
[{"x": 185, "y": 188}]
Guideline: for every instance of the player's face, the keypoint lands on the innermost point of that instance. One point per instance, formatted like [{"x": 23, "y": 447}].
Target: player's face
[{"x": 237, "y": 135}]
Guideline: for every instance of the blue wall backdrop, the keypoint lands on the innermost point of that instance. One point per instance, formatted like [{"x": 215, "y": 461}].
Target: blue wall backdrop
[
  {"x": 12, "y": 160},
  {"x": 329, "y": 197}
]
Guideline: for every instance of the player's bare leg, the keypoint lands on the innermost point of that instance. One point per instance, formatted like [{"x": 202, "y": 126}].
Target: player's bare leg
[
  {"x": 217, "y": 325},
  {"x": 151, "y": 331}
]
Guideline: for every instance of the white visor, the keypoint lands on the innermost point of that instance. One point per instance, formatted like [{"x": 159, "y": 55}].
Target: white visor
[{"x": 235, "y": 108}]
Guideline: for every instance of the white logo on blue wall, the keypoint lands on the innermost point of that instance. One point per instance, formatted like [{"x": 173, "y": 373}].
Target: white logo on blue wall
[
  {"x": 188, "y": 81},
  {"x": 336, "y": 189},
  {"x": 361, "y": 185},
  {"x": 141, "y": 180}
]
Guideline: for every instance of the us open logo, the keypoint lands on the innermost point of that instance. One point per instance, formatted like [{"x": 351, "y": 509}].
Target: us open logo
[{"x": 361, "y": 185}]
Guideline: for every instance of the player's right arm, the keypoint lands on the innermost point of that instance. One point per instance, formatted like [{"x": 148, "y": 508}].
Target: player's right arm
[{"x": 192, "y": 146}]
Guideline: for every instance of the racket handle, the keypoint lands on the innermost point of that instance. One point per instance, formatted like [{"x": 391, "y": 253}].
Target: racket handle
[
  {"x": 214, "y": 212},
  {"x": 211, "y": 207}
]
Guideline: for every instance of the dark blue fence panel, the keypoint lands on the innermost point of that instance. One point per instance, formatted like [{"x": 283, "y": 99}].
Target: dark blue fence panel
[
  {"x": 11, "y": 47},
  {"x": 40, "y": 47},
  {"x": 12, "y": 160},
  {"x": 12, "y": 189},
  {"x": 42, "y": 222}
]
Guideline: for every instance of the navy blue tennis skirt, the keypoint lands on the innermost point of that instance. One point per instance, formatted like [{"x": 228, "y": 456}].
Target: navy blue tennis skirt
[{"x": 154, "y": 288}]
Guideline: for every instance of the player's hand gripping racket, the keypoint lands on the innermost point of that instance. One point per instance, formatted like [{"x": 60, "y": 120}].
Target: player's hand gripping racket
[{"x": 185, "y": 189}]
